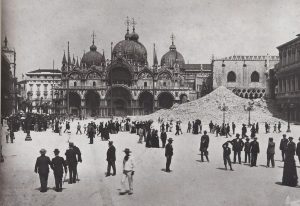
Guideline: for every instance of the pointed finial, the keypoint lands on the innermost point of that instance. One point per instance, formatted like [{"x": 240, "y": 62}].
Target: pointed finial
[
  {"x": 133, "y": 23},
  {"x": 127, "y": 23},
  {"x": 172, "y": 38},
  {"x": 93, "y": 35},
  {"x": 5, "y": 41}
]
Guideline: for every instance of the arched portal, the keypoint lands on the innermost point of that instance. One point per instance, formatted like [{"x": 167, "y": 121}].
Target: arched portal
[
  {"x": 119, "y": 99},
  {"x": 165, "y": 100},
  {"x": 119, "y": 75},
  {"x": 183, "y": 98},
  {"x": 74, "y": 103},
  {"x": 146, "y": 102},
  {"x": 92, "y": 100}
]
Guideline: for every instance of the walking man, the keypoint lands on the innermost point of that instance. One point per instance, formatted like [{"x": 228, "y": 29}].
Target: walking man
[
  {"x": 78, "y": 128},
  {"x": 204, "y": 143},
  {"x": 58, "y": 166},
  {"x": 271, "y": 153},
  {"x": 111, "y": 158},
  {"x": 254, "y": 149},
  {"x": 163, "y": 137},
  {"x": 42, "y": 168},
  {"x": 169, "y": 154},
  {"x": 73, "y": 156},
  {"x": 283, "y": 146},
  {"x": 128, "y": 172}
]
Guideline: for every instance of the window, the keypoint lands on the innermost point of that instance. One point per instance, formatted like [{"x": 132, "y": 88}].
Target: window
[
  {"x": 75, "y": 84},
  {"x": 255, "y": 76},
  {"x": 145, "y": 84},
  {"x": 94, "y": 84},
  {"x": 164, "y": 84},
  {"x": 231, "y": 77}
]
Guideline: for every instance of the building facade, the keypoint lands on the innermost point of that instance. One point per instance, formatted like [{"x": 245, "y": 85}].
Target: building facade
[
  {"x": 244, "y": 75},
  {"x": 37, "y": 90},
  {"x": 126, "y": 84},
  {"x": 287, "y": 73}
]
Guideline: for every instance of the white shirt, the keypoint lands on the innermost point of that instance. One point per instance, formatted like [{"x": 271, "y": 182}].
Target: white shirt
[{"x": 129, "y": 164}]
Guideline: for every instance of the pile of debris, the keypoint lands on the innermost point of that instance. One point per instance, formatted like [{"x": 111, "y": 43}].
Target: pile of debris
[{"x": 208, "y": 108}]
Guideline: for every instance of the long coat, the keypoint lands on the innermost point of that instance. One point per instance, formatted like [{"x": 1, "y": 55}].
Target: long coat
[
  {"x": 237, "y": 145},
  {"x": 58, "y": 165},
  {"x": 169, "y": 150},
  {"x": 204, "y": 142},
  {"x": 42, "y": 165},
  {"x": 254, "y": 147},
  {"x": 111, "y": 154}
]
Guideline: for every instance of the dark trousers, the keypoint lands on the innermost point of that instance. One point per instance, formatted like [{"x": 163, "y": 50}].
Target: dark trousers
[
  {"x": 247, "y": 157},
  {"x": 237, "y": 153},
  {"x": 78, "y": 130},
  {"x": 91, "y": 140},
  {"x": 168, "y": 163},
  {"x": 58, "y": 180},
  {"x": 177, "y": 132},
  {"x": 72, "y": 173},
  {"x": 163, "y": 143},
  {"x": 270, "y": 158},
  {"x": 233, "y": 130},
  {"x": 227, "y": 161},
  {"x": 204, "y": 153},
  {"x": 44, "y": 181},
  {"x": 111, "y": 164},
  {"x": 253, "y": 159},
  {"x": 283, "y": 155}
]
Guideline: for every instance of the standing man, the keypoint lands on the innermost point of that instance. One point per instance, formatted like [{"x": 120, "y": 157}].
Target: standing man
[
  {"x": 163, "y": 137},
  {"x": 283, "y": 146},
  {"x": 78, "y": 128},
  {"x": 42, "y": 167},
  {"x": 271, "y": 153},
  {"x": 128, "y": 172},
  {"x": 189, "y": 127},
  {"x": 111, "y": 158},
  {"x": 169, "y": 154},
  {"x": 204, "y": 143},
  {"x": 58, "y": 166},
  {"x": 226, "y": 155},
  {"x": 254, "y": 149},
  {"x": 237, "y": 147},
  {"x": 67, "y": 126},
  {"x": 298, "y": 150},
  {"x": 233, "y": 128},
  {"x": 247, "y": 150},
  {"x": 211, "y": 125},
  {"x": 73, "y": 156},
  {"x": 279, "y": 127},
  {"x": 177, "y": 129}
]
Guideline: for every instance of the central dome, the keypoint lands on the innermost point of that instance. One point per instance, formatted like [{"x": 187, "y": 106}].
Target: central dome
[
  {"x": 93, "y": 57},
  {"x": 131, "y": 49},
  {"x": 172, "y": 57}
]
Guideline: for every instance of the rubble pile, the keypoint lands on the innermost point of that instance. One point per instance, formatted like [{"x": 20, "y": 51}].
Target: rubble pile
[{"x": 207, "y": 108}]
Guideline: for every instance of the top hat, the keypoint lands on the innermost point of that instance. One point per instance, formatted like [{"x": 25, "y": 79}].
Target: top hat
[
  {"x": 43, "y": 151},
  {"x": 127, "y": 150},
  {"x": 71, "y": 144},
  {"x": 170, "y": 140},
  {"x": 291, "y": 138},
  {"x": 56, "y": 151}
]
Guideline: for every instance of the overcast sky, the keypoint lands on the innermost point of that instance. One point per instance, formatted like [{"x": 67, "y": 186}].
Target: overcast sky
[{"x": 40, "y": 29}]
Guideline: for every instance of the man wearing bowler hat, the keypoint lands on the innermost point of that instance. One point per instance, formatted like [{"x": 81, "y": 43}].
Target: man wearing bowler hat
[
  {"x": 254, "y": 150},
  {"x": 42, "y": 167},
  {"x": 237, "y": 147},
  {"x": 58, "y": 166},
  {"x": 169, "y": 154},
  {"x": 128, "y": 172},
  {"x": 73, "y": 156},
  {"x": 111, "y": 158}
]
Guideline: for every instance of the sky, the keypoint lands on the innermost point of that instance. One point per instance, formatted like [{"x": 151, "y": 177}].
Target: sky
[{"x": 39, "y": 29}]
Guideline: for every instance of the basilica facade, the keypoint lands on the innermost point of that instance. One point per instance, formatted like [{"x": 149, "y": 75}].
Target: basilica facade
[{"x": 126, "y": 84}]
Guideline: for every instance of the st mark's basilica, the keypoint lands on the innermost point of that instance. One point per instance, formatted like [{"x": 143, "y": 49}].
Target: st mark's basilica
[{"x": 127, "y": 84}]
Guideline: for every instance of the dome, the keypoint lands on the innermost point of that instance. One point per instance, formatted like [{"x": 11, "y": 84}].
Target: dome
[
  {"x": 93, "y": 57},
  {"x": 171, "y": 57},
  {"x": 132, "y": 49}
]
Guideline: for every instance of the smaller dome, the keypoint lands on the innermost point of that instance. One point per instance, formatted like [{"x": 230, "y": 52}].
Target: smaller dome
[
  {"x": 172, "y": 57},
  {"x": 93, "y": 57},
  {"x": 134, "y": 36},
  {"x": 93, "y": 48}
]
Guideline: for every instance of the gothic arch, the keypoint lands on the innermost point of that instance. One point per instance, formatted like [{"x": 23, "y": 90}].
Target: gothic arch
[
  {"x": 165, "y": 100},
  {"x": 255, "y": 76},
  {"x": 74, "y": 75},
  {"x": 93, "y": 75},
  {"x": 164, "y": 74},
  {"x": 231, "y": 76}
]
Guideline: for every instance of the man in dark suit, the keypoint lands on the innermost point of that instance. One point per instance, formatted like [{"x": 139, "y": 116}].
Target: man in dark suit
[
  {"x": 237, "y": 147},
  {"x": 254, "y": 149},
  {"x": 298, "y": 150},
  {"x": 204, "y": 143},
  {"x": 163, "y": 137},
  {"x": 283, "y": 146},
  {"x": 73, "y": 156},
  {"x": 169, "y": 154},
  {"x": 111, "y": 158},
  {"x": 58, "y": 166},
  {"x": 42, "y": 167}
]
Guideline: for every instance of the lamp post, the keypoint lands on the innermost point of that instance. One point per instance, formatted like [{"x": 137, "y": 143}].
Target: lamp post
[
  {"x": 223, "y": 108},
  {"x": 249, "y": 108},
  {"x": 289, "y": 107}
]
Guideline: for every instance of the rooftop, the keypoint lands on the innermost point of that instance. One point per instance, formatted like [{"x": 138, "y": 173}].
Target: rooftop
[
  {"x": 57, "y": 71},
  {"x": 250, "y": 58}
]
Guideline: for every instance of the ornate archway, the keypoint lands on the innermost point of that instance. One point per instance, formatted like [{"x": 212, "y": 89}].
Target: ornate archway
[
  {"x": 165, "y": 100},
  {"x": 74, "y": 103},
  {"x": 146, "y": 102},
  {"x": 92, "y": 102},
  {"x": 183, "y": 98},
  {"x": 119, "y": 101}
]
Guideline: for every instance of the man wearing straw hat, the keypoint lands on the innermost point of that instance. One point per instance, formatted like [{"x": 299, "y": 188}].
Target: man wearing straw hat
[
  {"x": 128, "y": 172},
  {"x": 59, "y": 166},
  {"x": 42, "y": 167}
]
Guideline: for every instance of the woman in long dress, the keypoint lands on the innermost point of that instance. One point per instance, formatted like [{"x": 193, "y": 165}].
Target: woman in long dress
[{"x": 290, "y": 177}]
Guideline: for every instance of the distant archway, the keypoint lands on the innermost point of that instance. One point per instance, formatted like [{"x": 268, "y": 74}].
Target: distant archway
[
  {"x": 183, "y": 98},
  {"x": 146, "y": 102},
  {"x": 92, "y": 100},
  {"x": 165, "y": 100},
  {"x": 74, "y": 103},
  {"x": 231, "y": 77},
  {"x": 119, "y": 101},
  {"x": 255, "y": 76}
]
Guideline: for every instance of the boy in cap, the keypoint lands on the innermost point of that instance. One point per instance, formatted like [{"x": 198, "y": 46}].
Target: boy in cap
[
  {"x": 42, "y": 167},
  {"x": 128, "y": 172},
  {"x": 169, "y": 154},
  {"x": 226, "y": 155},
  {"x": 111, "y": 158},
  {"x": 58, "y": 166}
]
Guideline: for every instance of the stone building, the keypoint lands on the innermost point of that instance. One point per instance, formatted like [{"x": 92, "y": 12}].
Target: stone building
[
  {"x": 36, "y": 89},
  {"x": 244, "y": 75},
  {"x": 287, "y": 73},
  {"x": 126, "y": 84}
]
